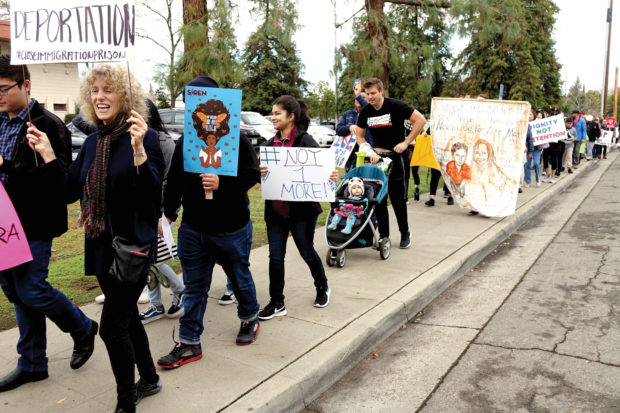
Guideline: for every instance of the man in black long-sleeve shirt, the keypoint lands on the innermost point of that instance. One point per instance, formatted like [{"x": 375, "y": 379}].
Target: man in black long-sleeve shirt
[{"x": 217, "y": 229}]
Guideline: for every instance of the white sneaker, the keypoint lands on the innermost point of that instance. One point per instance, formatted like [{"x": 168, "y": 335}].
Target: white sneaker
[
  {"x": 537, "y": 183},
  {"x": 527, "y": 185},
  {"x": 551, "y": 181},
  {"x": 100, "y": 299},
  {"x": 144, "y": 297}
]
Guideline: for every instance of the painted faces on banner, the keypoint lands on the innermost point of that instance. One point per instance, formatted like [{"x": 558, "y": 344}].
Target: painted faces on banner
[{"x": 479, "y": 147}]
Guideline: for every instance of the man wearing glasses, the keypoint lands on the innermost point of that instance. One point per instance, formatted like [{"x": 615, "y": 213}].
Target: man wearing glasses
[{"x": 43, "y": 213}]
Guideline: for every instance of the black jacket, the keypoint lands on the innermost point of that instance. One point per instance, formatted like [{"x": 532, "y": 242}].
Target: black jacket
[
  {"x": 36, "y": 193},
  {"x": 133, "y": 196},
  {"x": 594, "y": 131},
  {"x": 229, "y": 209},
  {"x": 297, "y": 210}
]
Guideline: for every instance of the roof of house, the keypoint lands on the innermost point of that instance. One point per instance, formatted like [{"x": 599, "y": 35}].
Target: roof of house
[{"x": 5, "y": 29}]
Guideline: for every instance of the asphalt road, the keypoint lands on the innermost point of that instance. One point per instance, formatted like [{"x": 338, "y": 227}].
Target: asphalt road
[{"x": 534, "y": 327}]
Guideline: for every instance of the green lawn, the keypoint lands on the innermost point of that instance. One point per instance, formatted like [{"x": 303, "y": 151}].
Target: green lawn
[{"x": 67, "y": 262}]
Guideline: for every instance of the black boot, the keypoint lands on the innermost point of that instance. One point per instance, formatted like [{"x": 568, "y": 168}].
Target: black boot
[{"x": 416, "y": 194}]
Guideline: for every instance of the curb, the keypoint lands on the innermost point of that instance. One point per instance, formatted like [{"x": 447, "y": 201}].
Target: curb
[{"x": 298, "y": 384}]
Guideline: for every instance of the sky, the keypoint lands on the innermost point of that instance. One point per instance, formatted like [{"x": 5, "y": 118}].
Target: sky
[{"x": 580, "y": 34}]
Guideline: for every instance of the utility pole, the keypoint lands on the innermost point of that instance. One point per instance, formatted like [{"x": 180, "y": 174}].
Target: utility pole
[
  {"x": 335, "y": 63},
  {"x": 615, "y": 110},
  {"x": 604, "y": 94}
]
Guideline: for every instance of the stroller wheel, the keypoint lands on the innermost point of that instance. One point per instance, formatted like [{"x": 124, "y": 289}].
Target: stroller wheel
[
  {"x": 341, "y": 258},
  {"x": 330, "y": 259},
  {"x": 385, "y": 246}
]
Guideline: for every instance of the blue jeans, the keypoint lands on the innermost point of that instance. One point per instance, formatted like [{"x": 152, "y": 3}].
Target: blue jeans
[
  {"x": 34, "y": 299},
  {"x": 198, "y": 252},
  {"x": 303, "y": 235},
  {"x": 528, "y": 166}
]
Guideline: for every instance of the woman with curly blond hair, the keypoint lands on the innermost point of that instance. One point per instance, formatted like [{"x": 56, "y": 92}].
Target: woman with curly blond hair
[{"x": 117, "y": 177}]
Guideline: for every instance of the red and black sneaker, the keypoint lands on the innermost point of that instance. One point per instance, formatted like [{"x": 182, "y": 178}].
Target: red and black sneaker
[
  {"x": 181, "y": 354},
  {"x": 248, "y": 332}
]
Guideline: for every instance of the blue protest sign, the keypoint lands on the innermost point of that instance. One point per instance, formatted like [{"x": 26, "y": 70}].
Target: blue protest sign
[{"x": 211, "y": 132}]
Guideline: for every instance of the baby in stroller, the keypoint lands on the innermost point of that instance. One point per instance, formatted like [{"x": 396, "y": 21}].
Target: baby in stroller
[{"x": 355, "y": 190}]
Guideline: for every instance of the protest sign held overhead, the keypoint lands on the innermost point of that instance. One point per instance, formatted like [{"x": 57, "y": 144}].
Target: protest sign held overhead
[
  {"x": 479, "y": 147},
  {"x": 70, "y": 31},
  {"x": 550, "y": 129},
  {"x": 298, "y": 174},
  {"x": 211, "y": 131},
  {"x": 14, "y": 248},
  {"x": 343, "y": 146}
]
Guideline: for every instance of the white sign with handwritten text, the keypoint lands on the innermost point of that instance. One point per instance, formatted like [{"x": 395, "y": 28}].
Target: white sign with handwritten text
[
  {"x": 298, "y": 174},
  {"x": 58, "y": 31}
]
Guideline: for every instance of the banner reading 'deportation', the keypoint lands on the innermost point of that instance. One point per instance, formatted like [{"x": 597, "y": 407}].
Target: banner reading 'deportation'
[
  {"x": 479, "y": 147},
  {"x": 58, "y": 31}
]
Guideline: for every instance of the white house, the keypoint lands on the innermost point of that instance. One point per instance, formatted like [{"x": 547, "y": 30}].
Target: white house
[{"x": 56, "y": 85}]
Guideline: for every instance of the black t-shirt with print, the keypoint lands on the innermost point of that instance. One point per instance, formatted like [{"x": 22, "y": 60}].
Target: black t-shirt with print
[{"x": 386, "y": 125}]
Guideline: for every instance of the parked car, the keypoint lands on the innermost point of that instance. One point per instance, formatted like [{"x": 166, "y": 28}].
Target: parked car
[
  {"x": 173, "y": 121},
  {"x": 329, "y": 124},
  {"x": 77, "y": 136},
  {"x": 323, "y": 135},
  {"x": 258, "y": 122}
]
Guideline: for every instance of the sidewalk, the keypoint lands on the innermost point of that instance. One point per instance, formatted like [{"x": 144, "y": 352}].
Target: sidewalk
[{"x": 298, "y": 356}]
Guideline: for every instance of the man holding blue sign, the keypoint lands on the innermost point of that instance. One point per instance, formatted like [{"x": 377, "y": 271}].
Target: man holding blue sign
[{"x": 212, "y": 157}]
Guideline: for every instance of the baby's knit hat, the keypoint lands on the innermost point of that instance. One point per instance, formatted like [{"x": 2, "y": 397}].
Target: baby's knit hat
[{"x": 356, "y": 182}]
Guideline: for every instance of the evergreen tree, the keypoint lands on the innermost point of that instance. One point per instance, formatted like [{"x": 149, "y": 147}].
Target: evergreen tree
[
  {"x": 575, "y": 98},
  {"x": 213, "y": 45},
  {"x": 499, "y": 50},
  {"x": 416, "y": 52},
  {"x": 541, "y": 17},
  {"x": 272, "y": 66}
]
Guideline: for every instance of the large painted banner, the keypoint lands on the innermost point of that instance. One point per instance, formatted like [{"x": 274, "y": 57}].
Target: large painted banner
[
  {"x": 58, "y": 31},
  {"x": 211, "y": 132},
  {"x": 550, "y": 129},
  {"x": 343, "y": 146},
  {"x": 479, "y": 147},
  {"x": 298, "y": 174},
  {"x": 14, "y": 248}
]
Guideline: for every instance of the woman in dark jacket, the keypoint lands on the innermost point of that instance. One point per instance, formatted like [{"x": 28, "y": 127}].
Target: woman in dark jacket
[
  {"x": 290, "y": 119},
  {"x": 117, "y": 177}
]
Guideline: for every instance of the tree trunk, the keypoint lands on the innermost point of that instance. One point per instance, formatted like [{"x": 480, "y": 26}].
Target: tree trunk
[
  {"x": 377, "y": 34},
  {"x": 195, "y": 11}
]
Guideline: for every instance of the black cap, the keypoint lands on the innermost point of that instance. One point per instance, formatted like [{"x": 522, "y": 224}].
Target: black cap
[
  {"x": 575, "y": 112},
  {"x": 201, "y": 81}
]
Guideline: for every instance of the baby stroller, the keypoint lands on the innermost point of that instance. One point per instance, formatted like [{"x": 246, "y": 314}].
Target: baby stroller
[{"x": 364, "y": 230}]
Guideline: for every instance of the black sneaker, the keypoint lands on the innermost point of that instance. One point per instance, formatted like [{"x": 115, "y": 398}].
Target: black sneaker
[
  {"x": 144, "y": 389},
  {"x": 180, "y": 354},
  {"x": 430, "y": 202},
  {"x": 177, "y": 309},
  {"x": 227, "y": 299},
  {"x": 322, "y": 297},
  {"x": 405, "y": 240},
  {"x": 273, "y": 309},
  {"x": 248, "y": 332},
  {"x": 450, "y": 201},
  {"x": 570, "y": 171}
]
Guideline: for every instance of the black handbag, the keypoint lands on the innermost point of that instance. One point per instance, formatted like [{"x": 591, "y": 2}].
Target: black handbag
[{"x": 130, "y": 259}]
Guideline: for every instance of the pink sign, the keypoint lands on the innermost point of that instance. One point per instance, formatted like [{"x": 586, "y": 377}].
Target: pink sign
[{"x": 14, "y": 248}]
